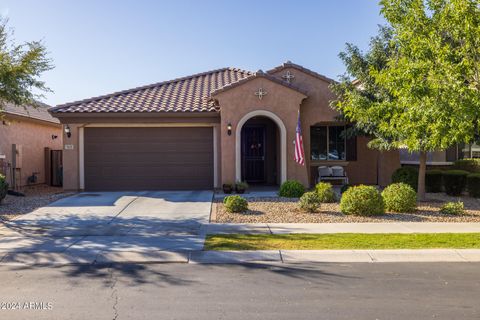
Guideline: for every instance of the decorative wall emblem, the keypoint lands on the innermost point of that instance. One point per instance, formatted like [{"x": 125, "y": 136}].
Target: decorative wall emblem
[
  {"x": 260, "y": 93},
  {"x": 288, "y": 76}
]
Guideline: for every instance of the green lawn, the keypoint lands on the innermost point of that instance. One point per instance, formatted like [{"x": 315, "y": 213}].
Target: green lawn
[{"x": 342, "y": 241}]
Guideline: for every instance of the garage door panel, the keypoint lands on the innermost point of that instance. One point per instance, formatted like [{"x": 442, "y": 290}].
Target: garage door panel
[
  {"x": 113, "y": 172},
  {"x": 152, "y": 159},
  {"x": 148, "y": 148},
  {"x": 148, "y": 158}
]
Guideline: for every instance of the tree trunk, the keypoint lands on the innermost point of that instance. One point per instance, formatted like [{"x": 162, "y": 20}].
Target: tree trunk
[{"x": 421, "y": 175}]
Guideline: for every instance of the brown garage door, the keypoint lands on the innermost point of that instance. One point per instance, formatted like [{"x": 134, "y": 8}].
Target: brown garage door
[{"x": 148, "y": 158}]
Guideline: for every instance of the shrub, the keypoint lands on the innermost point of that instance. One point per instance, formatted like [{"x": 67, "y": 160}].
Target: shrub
[
  {"x": 470, "y": 165},
  {"x": 345, "y": 187},
  {"x": 400, "y": 197},
  {"x": 453, "y": 208},
  {"x": 433, "y": 180},
  {"x": 408, "y": 175},
  {"x": 235, "y": 204},
  {"x": 454, "y": 182},
  {"x": 325, "y": 192},
  {"x": 310, "y": 201},
  {"x": 473, "y": 185},
  {"x": 363, "y": 201},
  {"x": 241, "y": 186},
  {"x": 291, "y": 189},
  {"x": 227, "y": 188},
  {"x": 3, "y": 187}
]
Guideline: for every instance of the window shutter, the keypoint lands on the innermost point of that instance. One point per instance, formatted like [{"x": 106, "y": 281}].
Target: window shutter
[{"x": 351, "y": 146}]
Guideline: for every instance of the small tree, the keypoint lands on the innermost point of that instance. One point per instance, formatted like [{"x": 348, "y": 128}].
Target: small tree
[
  {"x": 20, "y": 68},
  {"x": 420, "y": 81}
]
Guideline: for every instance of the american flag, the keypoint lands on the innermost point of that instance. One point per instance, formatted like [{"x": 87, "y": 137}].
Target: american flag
[{"x": 299, "y": 153}]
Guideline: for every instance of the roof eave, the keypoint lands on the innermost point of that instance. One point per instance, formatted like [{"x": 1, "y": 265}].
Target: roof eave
[
  {"x": 53, "y": 122},
  {"x": 256, "y": 75},
  {"x": 137, "y": 114},
  {"x": 289, "y": 64}
]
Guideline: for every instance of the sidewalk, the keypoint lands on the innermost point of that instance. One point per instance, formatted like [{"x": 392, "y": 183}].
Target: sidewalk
[
  {"x": 60, "y": 251},
  {"x": 394, "y": 227}
]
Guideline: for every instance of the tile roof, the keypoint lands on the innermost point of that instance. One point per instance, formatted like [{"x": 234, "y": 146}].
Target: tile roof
[
  {"x": 289, "y": 64},
  {"x": 187, "y": 94},
  {"x": 39, "y": 112},
  {"x": 258, "y": 74}
]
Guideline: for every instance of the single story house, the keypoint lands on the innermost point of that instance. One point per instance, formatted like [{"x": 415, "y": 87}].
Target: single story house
[
  {"x": 442, "y": 158},
  {"x": 211, "y": 128},
  {"x": 28, "y": 138}
]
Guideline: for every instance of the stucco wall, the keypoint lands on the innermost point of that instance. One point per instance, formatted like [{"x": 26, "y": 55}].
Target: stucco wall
[
  {"x": 371, "y": 167},
  {"x": 238, "y": 102},
  {"x": 33, "y": 136},
  {"x": 316, "y": 110},
  {"x": 71, "y": 168}
]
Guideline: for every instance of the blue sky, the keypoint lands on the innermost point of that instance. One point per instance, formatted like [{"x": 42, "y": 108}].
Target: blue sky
[{"x": 99, "y": 47}]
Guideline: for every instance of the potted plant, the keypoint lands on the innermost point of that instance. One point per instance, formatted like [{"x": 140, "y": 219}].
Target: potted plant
[
  {"x": 241, "y": 186},
  {"x": 227, "y": 188}
]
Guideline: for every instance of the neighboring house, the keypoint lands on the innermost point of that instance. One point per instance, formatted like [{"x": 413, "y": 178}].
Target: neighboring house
[
  {"x": 207, "y": 129},
  {"x": 25, "y": 133},
  {"x": 442, "y": 158}
]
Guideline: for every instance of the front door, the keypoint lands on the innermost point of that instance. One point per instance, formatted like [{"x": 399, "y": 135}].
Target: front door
[{"x": 253, "y": 153}]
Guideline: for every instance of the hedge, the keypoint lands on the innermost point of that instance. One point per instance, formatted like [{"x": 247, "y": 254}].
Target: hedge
[
  {"x": 470, "y": 165},
  {"x": 454, "y": 182},
  {"x": 408, "y": 175},
  {"x": 473, "y": 185},
  {"x": 3, "y": 187},
  {"x": 434, "y": 181}
]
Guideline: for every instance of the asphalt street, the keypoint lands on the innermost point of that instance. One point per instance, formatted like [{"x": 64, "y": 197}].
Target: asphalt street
[{"x": 249, "y": 291}]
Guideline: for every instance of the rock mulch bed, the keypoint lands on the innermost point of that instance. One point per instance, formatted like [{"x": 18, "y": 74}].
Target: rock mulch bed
[
  {"x": 35, "y": 197},
  {"x": 283, "y": 210}
]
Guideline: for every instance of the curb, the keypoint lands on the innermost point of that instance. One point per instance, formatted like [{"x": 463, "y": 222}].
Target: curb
[
  {"x": 22, "y": 259},
  {"x": 369, "y": 256},
  {"x": 328, "y": 228}
]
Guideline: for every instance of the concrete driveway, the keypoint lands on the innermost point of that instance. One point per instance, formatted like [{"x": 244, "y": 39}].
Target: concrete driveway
[{"x": 109, "y": 226}]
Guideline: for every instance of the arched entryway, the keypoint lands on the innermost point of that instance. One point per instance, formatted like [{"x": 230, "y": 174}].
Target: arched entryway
[{"x": 261, "y": 149}]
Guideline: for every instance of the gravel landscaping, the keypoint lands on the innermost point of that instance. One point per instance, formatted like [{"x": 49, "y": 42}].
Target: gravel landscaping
[
  {"x": 35, "y": 197},
  {"x": 284, "y": 210}
]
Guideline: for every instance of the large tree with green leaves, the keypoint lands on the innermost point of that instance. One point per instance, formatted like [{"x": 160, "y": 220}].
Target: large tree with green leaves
[
  {"x": 419, "y": 83},
  {"x": 20, "y": 69}
]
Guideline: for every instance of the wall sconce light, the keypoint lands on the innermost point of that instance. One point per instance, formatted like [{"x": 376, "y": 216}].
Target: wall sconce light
[
  {"x": 54, "y": 136},
  {"x": 229, "y": 129},
  {"x": 68, "y": 132}
]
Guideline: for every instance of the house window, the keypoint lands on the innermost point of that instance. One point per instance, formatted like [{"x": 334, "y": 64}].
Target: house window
[
  {"x": 329, "y": 143},
  {"x": 469, "y": 151}
]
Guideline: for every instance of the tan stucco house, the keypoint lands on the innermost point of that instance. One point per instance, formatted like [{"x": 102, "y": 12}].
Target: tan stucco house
[
  {"x": 29, "y": 137},
  {"x": 207, "y": 129}
]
